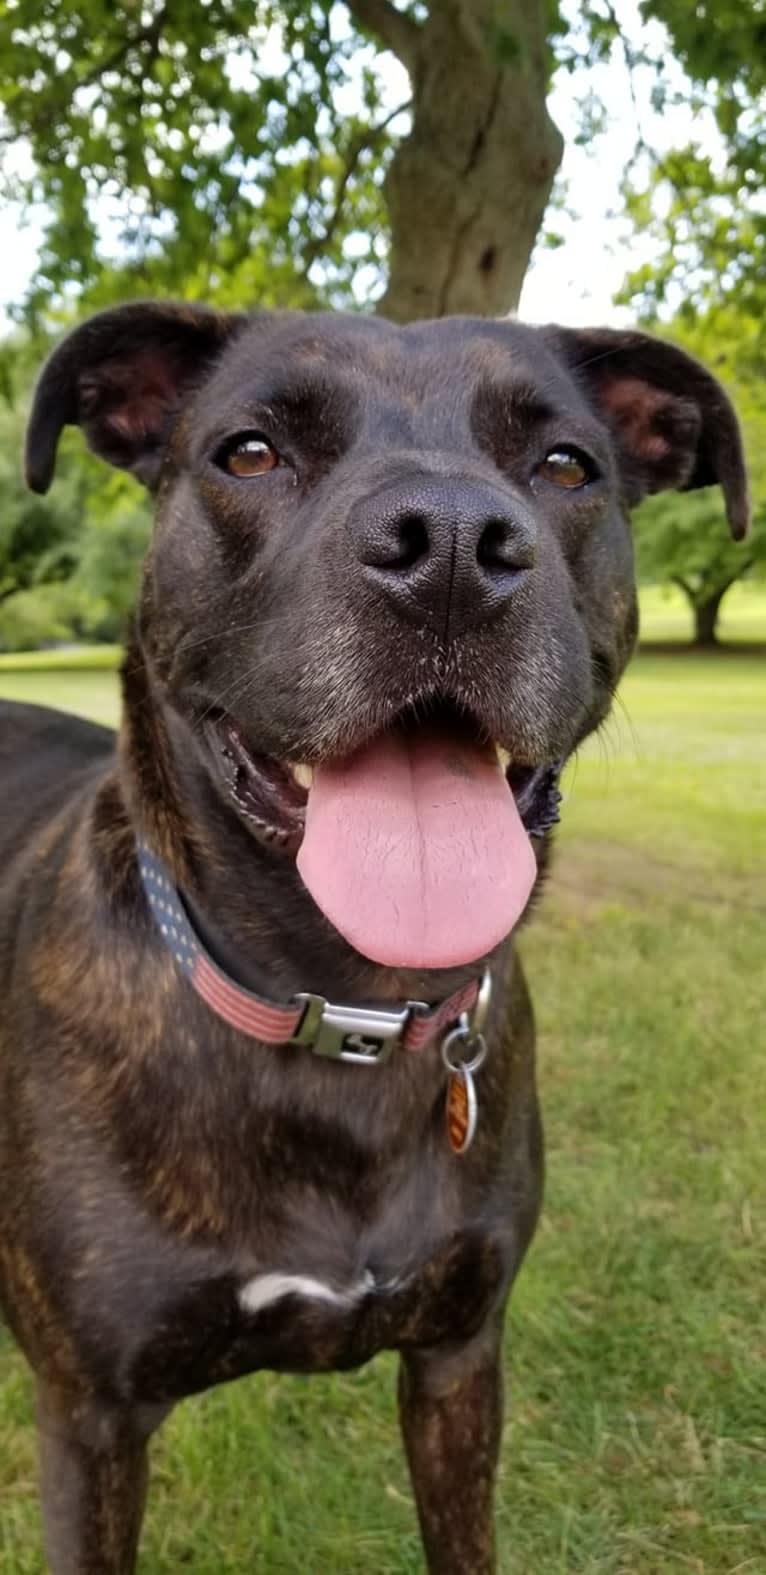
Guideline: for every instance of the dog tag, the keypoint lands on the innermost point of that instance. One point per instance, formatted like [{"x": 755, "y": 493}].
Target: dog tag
[{"x": 462, "y": 1109}]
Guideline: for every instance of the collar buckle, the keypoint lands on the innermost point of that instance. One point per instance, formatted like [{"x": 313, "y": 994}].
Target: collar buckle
[{"x": 362, "y": 1034}]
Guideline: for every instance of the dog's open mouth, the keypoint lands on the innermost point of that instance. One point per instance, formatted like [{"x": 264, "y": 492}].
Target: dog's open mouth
[
  {"x": 416, "y": 846},
  {"x": 272, "y": 796}
]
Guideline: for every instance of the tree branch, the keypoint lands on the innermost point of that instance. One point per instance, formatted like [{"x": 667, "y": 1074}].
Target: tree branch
[
  {"x": 66, "y": 87},
  {"x": 149, "y": 34},
  {"x": 708, "y": 592},
  {"x": 365, "y": 140},
  {"x": 633, "y": 60},
  {"x": 398, "y": 32},
  {"x": 743, "y": 569}
]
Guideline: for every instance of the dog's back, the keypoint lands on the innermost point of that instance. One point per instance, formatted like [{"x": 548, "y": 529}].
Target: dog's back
[
  {"x": 43, "y": 754},
  {"x": 47, "y": 760}
]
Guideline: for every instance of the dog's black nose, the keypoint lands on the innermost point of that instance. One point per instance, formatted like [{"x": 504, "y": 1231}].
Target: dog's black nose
[{"x": 446, "y": 553}]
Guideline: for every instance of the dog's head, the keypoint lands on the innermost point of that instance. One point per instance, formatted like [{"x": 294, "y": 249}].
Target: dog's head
[{"x": 384, "y": 558}]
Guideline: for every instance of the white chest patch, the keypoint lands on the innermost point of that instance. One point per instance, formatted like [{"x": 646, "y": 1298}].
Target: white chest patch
[{"x": 264, "y": 1289}]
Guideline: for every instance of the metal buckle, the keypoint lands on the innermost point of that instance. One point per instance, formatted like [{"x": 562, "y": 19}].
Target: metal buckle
[
  {"x": 478, "y": 1016},
  {"x": 468, "y": 1033},
  {"x": 362, "y": 1034}
]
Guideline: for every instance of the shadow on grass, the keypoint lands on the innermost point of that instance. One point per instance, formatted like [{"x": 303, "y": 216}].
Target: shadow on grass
[{"x": 727, "y": 649}]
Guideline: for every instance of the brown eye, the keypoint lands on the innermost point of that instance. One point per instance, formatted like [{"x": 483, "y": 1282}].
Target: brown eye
[
  {"x": 565, "y": 468},
  {"x": 248, "y": 455}
]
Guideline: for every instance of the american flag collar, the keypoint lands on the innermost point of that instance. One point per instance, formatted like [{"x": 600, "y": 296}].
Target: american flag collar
[{"x": 365, "y": 1035}]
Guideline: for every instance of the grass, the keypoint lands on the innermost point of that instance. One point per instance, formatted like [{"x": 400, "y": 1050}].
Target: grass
[
  {"x": 65, "y": 658},
  {"x": 636, "y": 1442},
  {"x": 81, "y": 679},
  {"x": 87, "y": 693}
]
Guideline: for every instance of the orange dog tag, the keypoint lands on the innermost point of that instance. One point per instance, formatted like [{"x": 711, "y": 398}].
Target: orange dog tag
[{"x": 462, "y": 1110}]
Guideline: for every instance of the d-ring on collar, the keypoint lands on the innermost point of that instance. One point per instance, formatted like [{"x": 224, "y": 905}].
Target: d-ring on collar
[{"x": 362, "y": 1034}]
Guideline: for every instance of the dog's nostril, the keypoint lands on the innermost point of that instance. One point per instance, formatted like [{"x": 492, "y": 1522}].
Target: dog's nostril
[
  {"x": 411, "y": 542},
  {"x": 394, "y": 541},
  {"x": 501, "y": 548}
]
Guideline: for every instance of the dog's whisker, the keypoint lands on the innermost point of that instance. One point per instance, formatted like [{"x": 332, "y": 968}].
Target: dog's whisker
[
  {"x": 234, "y": 691},
  {"x": 620, "y": 704},
  {"x": 256, "y": 624}
]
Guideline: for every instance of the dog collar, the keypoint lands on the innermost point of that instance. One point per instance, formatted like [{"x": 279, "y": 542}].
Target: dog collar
[{"x": 362, "y": 1034}]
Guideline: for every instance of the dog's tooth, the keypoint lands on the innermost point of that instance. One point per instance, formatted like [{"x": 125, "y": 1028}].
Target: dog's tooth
[
  {"x": 303, "y": 775},
  {"x": 503, "y": 756}
]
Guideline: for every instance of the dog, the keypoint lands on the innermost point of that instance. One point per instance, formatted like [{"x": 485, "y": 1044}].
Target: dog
[{"x": 267, "y": 1090}]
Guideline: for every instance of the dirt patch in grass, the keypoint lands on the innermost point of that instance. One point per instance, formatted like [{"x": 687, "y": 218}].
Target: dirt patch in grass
[{"x": 598, "y": 874}]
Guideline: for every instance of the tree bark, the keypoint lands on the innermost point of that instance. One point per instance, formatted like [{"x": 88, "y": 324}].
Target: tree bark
[
  {"x": 467, "y": 189},
  {"x": 706, "y": 618},
  {"x": 706, "y": 605}
]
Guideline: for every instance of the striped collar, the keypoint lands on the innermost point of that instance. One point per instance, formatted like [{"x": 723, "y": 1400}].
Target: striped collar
[{"x": 360, "y": 1034}]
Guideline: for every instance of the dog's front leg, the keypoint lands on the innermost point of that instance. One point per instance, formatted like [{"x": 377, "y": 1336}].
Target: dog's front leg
[
  {"x": 94, "y": 1475},
  {"x": 451, "y": 1411}
]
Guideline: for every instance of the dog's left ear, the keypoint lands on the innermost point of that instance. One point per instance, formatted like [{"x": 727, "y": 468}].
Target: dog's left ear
[
  {"x": 674, "y": 425},
  {"x": 121, "y": 376}
]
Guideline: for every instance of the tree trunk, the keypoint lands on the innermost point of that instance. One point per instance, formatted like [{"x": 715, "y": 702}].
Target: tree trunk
[
  {"x": 468, "y": 187},
  {"x": 706, "y": 604},
  {"x": 706, "y": 618}
]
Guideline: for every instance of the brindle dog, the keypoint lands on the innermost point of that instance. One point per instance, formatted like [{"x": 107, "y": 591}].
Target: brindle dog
[{"x": 380, "y": 554}]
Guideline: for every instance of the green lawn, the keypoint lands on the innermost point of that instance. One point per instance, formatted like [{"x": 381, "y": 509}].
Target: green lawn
[
  {"x": 636, "y": 1442},
  {"x": 88, "y": 693}
]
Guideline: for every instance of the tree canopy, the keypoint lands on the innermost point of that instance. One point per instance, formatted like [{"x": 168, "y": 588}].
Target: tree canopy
[{"x": 308, "y": 151}]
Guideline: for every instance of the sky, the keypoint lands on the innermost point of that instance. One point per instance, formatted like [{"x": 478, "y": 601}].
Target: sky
[
  {"x": 574, "y": 283},
  {"x": 577, "y": 282}
]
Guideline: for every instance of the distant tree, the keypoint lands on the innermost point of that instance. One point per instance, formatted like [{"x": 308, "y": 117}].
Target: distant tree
[{"x": 682, "y": 540}]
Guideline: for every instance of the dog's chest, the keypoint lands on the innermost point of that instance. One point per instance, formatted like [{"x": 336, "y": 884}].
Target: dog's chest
[
  {"x": 299, "y": 1323},
  {"x": 302, "y": 1311}
]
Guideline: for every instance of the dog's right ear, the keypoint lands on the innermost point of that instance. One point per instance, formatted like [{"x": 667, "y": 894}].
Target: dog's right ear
[{"x": 121, "y": 376}]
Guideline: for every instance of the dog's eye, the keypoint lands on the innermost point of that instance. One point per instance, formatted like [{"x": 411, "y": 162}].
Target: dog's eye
[
  {"x": 565, "y": 467},
  {"x": 246, "y": 455}
]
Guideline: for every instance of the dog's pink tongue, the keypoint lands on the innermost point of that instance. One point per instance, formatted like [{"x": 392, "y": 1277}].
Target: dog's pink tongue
[{"x": 415, "y": 851}]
